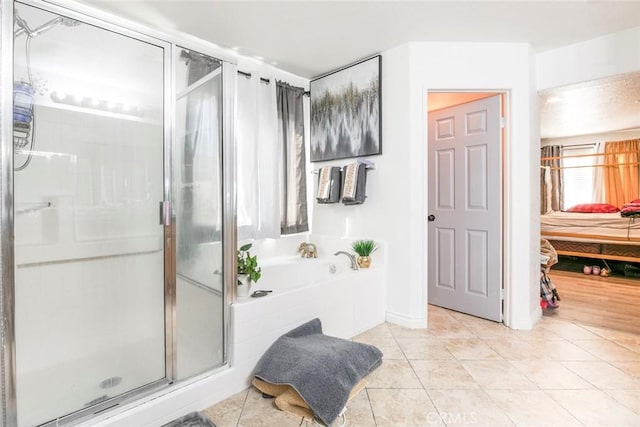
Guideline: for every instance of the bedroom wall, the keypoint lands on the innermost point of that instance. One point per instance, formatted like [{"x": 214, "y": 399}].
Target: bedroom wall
[
  {"x": 602, "y": 57},
  {"x": 616, "y": 53}
]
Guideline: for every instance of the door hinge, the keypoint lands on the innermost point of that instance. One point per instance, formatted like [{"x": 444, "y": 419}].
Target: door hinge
[
  {"x": 502, "y": 122},
  {"x": 501, "y": 294}
]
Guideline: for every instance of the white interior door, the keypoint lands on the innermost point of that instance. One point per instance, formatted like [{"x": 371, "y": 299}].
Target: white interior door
[{"x": 465, "y": 256}]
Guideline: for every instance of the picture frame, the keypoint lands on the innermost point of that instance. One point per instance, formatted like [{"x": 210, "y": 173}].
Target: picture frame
[{"x": 346, "y": 109}]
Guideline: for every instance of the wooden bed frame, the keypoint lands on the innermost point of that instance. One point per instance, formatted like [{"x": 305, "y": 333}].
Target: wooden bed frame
[{"x": 600, "y": 247}]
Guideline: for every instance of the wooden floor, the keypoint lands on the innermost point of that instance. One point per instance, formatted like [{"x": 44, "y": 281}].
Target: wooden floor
[{"x": 606, "y": 302}]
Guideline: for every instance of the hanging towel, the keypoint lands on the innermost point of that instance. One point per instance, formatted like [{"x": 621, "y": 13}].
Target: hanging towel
[
  {"x": 324, "y": 184},
  {"x": 329, "y": 184},
  {"x": 336, "y": 184},
  {"x": 355, "y": 181},
  {"x": 350, "y": 177}
]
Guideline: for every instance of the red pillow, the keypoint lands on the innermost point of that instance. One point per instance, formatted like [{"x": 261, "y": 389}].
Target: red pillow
[
  {"x": 634, "y": 202},
  {"x": 594, "y": 208}
]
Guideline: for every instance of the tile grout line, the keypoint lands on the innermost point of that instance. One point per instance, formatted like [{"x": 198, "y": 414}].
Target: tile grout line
[
  {"x": 562, "y": 406},
  {"x": 373, "y": 414},
  {"x": 244, "y": 402},
  {"x": 632, "y": 409}
]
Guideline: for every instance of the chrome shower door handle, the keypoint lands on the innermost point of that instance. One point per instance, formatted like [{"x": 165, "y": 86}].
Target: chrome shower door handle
[{"x": 165, "y": 213}]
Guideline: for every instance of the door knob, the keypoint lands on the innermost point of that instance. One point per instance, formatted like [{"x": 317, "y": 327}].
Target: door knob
[{"x": 431, "y": 218}]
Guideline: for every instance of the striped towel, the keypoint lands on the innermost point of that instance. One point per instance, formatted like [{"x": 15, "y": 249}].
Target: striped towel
[
  {"x": 324, "y": 184},
  {"x": 350, "y": 181}
]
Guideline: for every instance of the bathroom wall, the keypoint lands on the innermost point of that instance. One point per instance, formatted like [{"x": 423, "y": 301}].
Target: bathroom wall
[
  {"x": 409, "y": 72},
  {"x": 395, "y": 210}
]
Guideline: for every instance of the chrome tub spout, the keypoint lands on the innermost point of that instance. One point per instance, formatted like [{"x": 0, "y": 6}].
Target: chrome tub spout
[{"x": 352, "y": 258}]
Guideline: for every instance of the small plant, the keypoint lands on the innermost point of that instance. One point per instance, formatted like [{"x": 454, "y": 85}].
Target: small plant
[
  {"x": 248, "y": 264},
  {"x": 364, "y": 247}
]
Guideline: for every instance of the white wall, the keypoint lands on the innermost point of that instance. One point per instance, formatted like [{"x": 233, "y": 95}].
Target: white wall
[
  {"x": 395, "y": 210},
  {"x": 499, "y": 67},
  {"x": 609, "y": 55}
]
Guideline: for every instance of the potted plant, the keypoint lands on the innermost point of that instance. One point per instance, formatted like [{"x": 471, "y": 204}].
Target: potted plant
[
  {"x": 248, "y": 270},
  {"x": 364, "y": 248}
]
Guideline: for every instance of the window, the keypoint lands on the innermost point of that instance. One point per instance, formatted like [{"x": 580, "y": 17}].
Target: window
[
  {"x": 271, "y": 159},
  {"x": 577, "y": 175}
]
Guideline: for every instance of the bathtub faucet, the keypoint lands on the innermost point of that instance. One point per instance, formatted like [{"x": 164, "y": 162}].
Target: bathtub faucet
[
  {"x": 308, "y": 250},
  {"x": 352, "y": 258}
]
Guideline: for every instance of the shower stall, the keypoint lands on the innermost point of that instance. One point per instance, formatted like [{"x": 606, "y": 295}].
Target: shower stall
[{"x": 117, "y": 214}]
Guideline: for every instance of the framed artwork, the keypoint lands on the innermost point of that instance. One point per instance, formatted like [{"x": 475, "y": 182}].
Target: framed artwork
[{"x": 345, "y": 112}]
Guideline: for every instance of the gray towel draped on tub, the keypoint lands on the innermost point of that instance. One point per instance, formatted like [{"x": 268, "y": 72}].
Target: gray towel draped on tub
[{"x": 322, "y": 369}]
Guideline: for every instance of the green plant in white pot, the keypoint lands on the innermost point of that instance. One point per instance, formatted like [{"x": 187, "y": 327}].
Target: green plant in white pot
[
  {"x": 364, "y": 249},
  {"x": 248, "y": 270}
]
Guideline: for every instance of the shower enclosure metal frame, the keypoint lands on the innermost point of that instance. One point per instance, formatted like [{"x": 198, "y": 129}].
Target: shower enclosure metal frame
[
  {"x": 7, "y": 296},
  {"x": 87, "y": 14}
]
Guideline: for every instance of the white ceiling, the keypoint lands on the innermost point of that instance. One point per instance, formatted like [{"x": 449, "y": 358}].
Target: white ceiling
[
  {"x": 591, "y": 107},
  {"x": 310, "y": 38}
]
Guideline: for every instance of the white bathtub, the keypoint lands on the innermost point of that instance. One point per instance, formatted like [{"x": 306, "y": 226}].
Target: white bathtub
[
  {"x": 347, "y": 302},
  {"x": 285, "y": 274}
]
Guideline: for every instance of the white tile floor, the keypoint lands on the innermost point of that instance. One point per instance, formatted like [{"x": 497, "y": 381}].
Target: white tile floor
[{"x": 466, "y": 371}]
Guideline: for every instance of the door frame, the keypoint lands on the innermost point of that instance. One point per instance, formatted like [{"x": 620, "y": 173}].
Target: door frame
[
  {"x": 504, "y": 144},
  {"x": 7, "y": 293}
]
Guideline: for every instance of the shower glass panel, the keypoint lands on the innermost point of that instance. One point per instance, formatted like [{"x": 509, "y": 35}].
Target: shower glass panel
[
  {"x": 89, "y": 248},
  {"x": 197, "y": 201}
]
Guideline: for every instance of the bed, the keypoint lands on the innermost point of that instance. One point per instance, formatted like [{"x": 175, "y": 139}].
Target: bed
[{"x": 593, "y": 235}]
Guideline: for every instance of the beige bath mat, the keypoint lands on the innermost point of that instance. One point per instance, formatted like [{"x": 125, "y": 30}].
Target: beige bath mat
[{"x": 287, "y": 398}]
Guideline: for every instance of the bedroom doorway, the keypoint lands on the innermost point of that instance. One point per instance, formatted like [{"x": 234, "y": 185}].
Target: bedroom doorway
[
  {"x": 465, "y": 203},
  {"x": 586, "y": 130}
]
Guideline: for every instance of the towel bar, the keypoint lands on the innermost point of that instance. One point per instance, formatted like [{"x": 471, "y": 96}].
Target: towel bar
[
  {"x": 368, "y": 166},
  {"x": 31, "y": 206}
]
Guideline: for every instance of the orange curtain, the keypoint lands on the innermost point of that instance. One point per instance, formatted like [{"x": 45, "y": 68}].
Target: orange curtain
[{"x": 621, "y": 171}]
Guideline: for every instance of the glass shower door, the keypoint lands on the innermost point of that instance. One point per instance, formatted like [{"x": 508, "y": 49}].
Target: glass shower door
[
  {"x": 197, "y": 185},
  {"x": 89, "y": 246}
]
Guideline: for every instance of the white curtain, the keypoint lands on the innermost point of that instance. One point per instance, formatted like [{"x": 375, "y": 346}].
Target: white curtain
[{"x": 258, "y": 159}]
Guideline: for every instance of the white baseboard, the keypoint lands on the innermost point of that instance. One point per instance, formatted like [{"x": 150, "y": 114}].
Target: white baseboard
[
  {"x": 405, "y": 321},
  {"x": 527, "y": 324}
]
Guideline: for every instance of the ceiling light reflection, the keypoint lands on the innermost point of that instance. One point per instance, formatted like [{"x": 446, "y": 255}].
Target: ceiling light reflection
[{"x": 96, "y": 104}]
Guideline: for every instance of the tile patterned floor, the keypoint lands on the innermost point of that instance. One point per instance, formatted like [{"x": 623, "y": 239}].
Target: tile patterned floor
[{"x": 466, "y": 371}]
